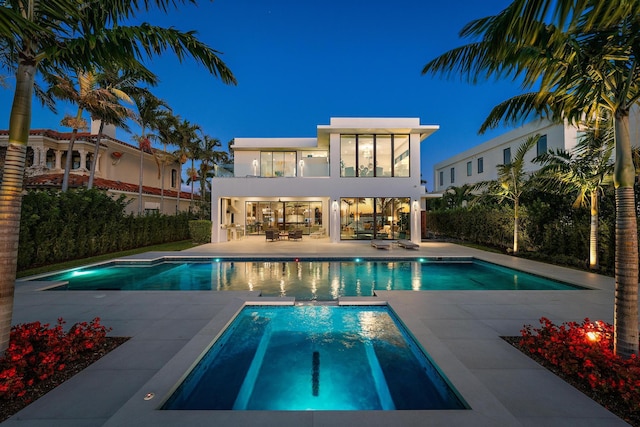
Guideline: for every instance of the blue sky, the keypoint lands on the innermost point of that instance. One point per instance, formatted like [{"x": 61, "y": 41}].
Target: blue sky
[{"x": 300, "y": 62}]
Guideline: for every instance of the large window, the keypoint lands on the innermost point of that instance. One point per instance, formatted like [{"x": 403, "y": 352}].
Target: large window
[
  {"x": 480, "y": 165},
  {"x": 374, "y": 156},
  {"x": 367, "y": 218},
  {"x": 277, "y": 163},
  {"x": 441, "y": 178},
  {"x": 283, "y": 216},
  {"x": 453, "y": 175},
  {"x": 469, "y": 169}
]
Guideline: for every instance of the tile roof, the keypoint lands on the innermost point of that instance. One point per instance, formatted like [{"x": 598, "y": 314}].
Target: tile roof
[{"x": 54, "y": 180}]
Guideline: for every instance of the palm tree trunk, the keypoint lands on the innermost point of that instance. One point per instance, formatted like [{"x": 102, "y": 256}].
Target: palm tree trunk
[
  {"x": 96, "y": 149},
  {"x": 516, "y": 220},
  {"x": 162, "y": 179},
  {"x": 626, "y": 250},
  {"x": 67, "y": 166},
  {"x": 11, "y": 194},
  {"x": 593, "y": 232},
  {"x": 191, "y": 201},
  {"x": 140, "y": 186}
]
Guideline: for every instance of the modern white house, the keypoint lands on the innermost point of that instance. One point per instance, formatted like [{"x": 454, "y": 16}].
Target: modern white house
[
  {"x": 358, "y": 179},
  {"x": 479, "y": 163}
]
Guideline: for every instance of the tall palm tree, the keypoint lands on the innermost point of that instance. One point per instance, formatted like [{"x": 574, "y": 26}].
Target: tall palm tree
[
  {"x": 511, "y": 183},
  {"x": 579, "y": 57},
  {"x": 586, "y": 171},
  {"x": 166, "y": 135},
  {"x": 210, "y": 157},
  {"x": 186, "y": 138},
  {"x": 195, "y": 150},
  {"x": 151, "y": 113},
  {"x": 52, "y": 36},
  {"x": 84, "y": 97},
  {"x": 117, "y": 85}
]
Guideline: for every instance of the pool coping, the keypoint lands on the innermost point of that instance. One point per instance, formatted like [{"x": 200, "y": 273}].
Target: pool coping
[
  {"x": 461, "y": 331},
  {"x": 484, "y": 408},
  {"x": 159, "y": 257}
]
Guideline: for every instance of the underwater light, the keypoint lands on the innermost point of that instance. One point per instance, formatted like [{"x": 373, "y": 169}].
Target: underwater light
[
  {"x": 421, "y": 260},
  {"x": 357, "y": 260},
  {"x": 217, "y": 260},
  {"x": 296, "y": 259},
  {"x": 81, "y": 273}
]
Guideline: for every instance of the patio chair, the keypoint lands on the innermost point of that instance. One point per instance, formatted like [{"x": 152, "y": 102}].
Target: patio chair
[
  {"x": 381, "y": 244},
  {"x": 295, "y": 235},
  {"x": 272, "y": 235},
  {"x": 408, "y": 244}
]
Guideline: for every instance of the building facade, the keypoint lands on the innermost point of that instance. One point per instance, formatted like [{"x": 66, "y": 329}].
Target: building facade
[
  {"x": 358, "y": 179},
  {"x": 117, "y": 168},
  {"x": 480, "y": 162}
]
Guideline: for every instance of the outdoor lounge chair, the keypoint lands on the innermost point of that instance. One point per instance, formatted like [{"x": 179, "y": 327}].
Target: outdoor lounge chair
[
  {"x": 408, "y": 244},
  {"x": 295, "y": 235},
  {"x": 381, "y": 244},
  {"x": 272, "y": 235}
]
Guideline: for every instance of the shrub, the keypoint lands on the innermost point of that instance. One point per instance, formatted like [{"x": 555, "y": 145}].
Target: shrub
[
  {"x": 57, "y": 227},
  {"x": 200, "y": 231},
  {"x": 584, "y": 352},
  {"x": 37, "y": 351}
]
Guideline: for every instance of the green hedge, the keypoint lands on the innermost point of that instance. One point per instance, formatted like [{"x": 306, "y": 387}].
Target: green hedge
[
  {"x": 481, "y": 225},
  {"x": 550, "y": 229},
  {"x": 200, "y": 230},
  {"x": 57, "y": 227}
]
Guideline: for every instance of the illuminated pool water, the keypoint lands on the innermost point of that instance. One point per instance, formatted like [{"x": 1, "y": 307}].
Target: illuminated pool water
[
  {"x": 315, "y": 358},
  {"x": 304, "y": 279}
]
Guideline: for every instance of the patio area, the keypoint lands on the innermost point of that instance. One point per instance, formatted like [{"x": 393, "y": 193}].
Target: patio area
[{"x": 460, "y": 330}]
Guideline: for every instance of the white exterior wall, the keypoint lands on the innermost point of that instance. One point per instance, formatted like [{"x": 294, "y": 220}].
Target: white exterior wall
[
  {"x": 328, "y": 189},
  {"x": 558, "y": 136}
]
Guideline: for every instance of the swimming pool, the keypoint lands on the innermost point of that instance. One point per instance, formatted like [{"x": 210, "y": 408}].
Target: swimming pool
[
  {"x": 315, "y": 358},
  {"x": 304, "y": 279}
]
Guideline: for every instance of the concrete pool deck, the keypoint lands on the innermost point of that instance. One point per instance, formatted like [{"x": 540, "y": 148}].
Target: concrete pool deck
[{"x": 460, "y": 330}]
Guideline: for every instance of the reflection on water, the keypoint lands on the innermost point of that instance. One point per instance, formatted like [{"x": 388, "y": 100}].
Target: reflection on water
[{"x": 305, "y": 279}]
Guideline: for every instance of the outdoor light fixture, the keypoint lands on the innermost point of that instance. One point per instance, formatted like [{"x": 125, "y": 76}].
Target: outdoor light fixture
[
  {"x": 335, "y": 206},
  {"x": 149, "y": 396}
]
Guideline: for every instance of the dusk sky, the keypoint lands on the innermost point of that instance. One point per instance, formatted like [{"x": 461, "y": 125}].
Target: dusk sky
[{"x": 299, "y": 63}]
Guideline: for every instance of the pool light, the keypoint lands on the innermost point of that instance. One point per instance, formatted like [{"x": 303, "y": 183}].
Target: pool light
[{"x": 81, "y": 273}]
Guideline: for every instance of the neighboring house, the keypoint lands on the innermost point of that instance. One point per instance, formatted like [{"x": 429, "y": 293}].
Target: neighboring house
[
  {"x": 117, "y": 170},
  {"x": 359, "y": 179},
  {"x": 480, "y": 162}
]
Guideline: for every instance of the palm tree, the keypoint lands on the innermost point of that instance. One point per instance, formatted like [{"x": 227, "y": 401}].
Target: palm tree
[
  {"x": 166, "y": 135},
  {"x": 117, "y": 85},
  {"x": 581, "y": 57},
  {"x": 210, "y": 157},
  {"x": 186, "y": 138},
  {"x": 456, "y": 197},
  {"x": 52, "y": 37},
  {"x": 152, "y": 111},
  {"x": 586, "y": 171},
  {"x": 195, "y": 151},
  {"x": 84, "y": 96},
  {"x": 511, "y": 183}
]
